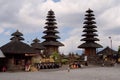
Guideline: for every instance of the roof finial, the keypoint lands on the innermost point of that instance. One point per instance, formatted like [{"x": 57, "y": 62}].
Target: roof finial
[
  {"x": 89, "y": 9},
  {"x": 50, "y": 9}
]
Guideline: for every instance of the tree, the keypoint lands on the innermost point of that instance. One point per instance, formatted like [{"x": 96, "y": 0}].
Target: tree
[
  {"x": 119, "y": 50},
  {"x": 56, "y": 57}
]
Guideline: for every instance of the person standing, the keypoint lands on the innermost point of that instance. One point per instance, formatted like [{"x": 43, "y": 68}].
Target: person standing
[
  {"x": 4, "y": 69},
  {"x": 85, "y": 59},
  {"x": 68, "y": 69}
]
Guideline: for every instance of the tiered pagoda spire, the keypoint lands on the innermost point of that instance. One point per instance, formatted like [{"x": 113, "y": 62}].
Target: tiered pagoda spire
[
  {"x": 17, "y": 36},
  {"x": 50, "y": 36},
  {"x": 16, "y": 46},
  {"x": 89, "y": 33}
]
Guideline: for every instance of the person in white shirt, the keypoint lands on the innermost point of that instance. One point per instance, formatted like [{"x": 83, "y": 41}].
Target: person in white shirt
[{"x": 85, "y": 59}]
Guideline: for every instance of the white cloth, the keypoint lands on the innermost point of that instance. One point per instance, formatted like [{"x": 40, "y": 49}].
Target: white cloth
[
  {"x": 85, "y": 58},
  {"x": 1, "y": 54}
]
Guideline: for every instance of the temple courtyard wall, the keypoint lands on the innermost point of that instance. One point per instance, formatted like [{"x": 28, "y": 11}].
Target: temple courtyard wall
[{"x": 85, "y": 73}]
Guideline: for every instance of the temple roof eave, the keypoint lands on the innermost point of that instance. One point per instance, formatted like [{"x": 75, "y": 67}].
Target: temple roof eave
[
  {"x": 38, "y": 46},
  {"x": 107, "y": 51},
  {"x": 51, "y": 36},
  {"x": 89, "y": 22},
  {"x": 17, "y": 33},
  {"x": 90, "y": 39},
  {"x": 51, "y": 31},
  {"x": 90, "y": 26},
  {"x": 89, "y": 30},
  {"x": 90, "y": 34},
  {"x": 52, "y": 43},
  {"x": 90, "y": 45},
  {"x": 16, "y": 47}
]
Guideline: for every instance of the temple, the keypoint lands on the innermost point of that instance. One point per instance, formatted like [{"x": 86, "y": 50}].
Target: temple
[
  {"x": 17, "y": 53},
  {"x": 51, "y": 44},
  {"x": 89, "y": 35}
]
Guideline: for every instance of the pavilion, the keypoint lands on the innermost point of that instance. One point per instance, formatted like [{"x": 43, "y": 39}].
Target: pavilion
[{"x": 17, "y": 52}]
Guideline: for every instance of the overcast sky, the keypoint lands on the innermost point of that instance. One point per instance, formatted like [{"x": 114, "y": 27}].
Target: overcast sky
[{"x": 28, "y": 16}]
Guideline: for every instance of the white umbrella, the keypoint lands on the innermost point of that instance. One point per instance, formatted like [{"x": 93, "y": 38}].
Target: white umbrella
[{"x": 1, "y": 54}]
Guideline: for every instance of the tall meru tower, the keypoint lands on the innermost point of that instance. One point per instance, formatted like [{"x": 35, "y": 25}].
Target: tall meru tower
[
  {"x": 51, "y": 44},
  {"x": 90, "y": 36}
]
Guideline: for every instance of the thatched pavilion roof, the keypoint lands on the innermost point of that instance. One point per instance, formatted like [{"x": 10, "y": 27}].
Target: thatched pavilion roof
[
  {"x": 17, "y": 33},
  {"x": 52, "y": 43},
  {"x": 107, "y": 51},
  {"x": 37, "y": 45},
  {"x": 16, "y": 47}
]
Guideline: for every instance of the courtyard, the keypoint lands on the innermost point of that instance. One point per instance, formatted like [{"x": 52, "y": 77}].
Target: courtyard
[{"x": 85, "y": 73}]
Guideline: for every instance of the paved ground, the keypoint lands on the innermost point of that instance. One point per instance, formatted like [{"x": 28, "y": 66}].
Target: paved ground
[{"x": 86, "y": 73}]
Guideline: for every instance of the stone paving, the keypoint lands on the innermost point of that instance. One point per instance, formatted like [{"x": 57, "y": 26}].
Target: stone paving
[{"x": 85, "y": 73}]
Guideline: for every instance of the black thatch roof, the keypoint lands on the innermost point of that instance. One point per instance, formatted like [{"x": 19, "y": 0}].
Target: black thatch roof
[
  {"x": 52, "y": 43},
  {"x": 51, "y": 36},
  {"x": 91, "y": 26},
  {"x": 54, "y": 31},
  {"x": 107, "y": 51},
  {"x": 89, "y": 45},
  {"x": 50, "y": 32},
  {"x": 16, "y": 47},
  {"x": 89, "y": 10},
  {"x": 89, "y": 32},
  {"x": 17, "y": 36},
  {"x": 17, "y": 33},
  {"x": 37, "y": 45},
  {"x": 90, "y": 39}
]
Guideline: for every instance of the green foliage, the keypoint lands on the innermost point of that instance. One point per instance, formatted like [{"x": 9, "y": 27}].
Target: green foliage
[
  {"x": 64, "y": 61},
  {"x": 56, "y": 57}
]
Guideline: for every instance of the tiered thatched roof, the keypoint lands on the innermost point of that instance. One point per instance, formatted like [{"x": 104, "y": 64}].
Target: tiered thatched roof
[
  {"x": 89, "y": 32},
  {"x": 37, "y": 45},
  {"x": 16, "y": 46},
  {"x": 50, "y": 32},
  {"x": 89, "y": 45}
]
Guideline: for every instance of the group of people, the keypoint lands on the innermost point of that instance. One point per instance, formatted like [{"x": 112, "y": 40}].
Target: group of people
[
  {"x": 39, "y": 66},
  {"x": 79, "y": 64},
  {"x": 75, "y": 65},
  {"x": 47, "y": 65}
]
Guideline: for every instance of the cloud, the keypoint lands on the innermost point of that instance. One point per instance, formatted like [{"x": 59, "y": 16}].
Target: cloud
[
  {"x": 7, "y": 33},
  {"x": 73, "y": 41},
  {"x": 71, "y": 45},
  {"x": 111, "y": 15},
  {"x": 1, "y": 30},
  {"x": 21, "y": 15}
]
